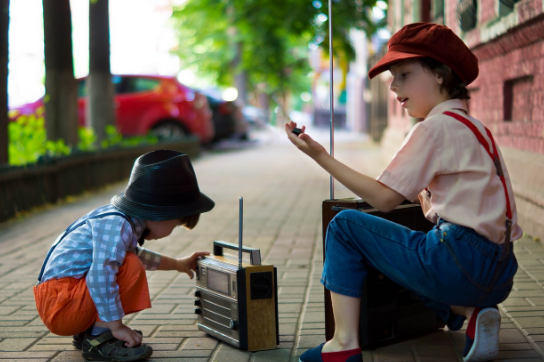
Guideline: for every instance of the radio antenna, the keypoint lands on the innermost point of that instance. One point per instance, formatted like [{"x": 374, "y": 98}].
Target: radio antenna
[
  {"x": 331, "y": 69},
  {"x": 240, "y": 228}
]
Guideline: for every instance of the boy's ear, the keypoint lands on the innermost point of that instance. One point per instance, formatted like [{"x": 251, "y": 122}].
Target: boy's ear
[{"x": 439, "y": 79}]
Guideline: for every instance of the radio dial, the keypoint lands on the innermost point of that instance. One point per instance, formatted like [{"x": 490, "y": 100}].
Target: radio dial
[
  {"x": 197, "y": 293},
  {"x": 198, "y": 311},
  {"x": 197, "y": 302}
]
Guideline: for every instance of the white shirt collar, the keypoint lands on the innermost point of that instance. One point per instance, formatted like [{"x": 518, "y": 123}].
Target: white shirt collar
[{"x": 447, "y": 105}]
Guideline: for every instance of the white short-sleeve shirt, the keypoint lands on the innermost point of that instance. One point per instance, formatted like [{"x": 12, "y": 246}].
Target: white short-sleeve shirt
[{"x": 442, "y": 154}]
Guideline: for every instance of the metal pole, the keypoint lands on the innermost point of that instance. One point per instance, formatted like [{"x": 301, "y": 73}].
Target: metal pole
[
  {"x": 331, "y": 91},
  {"x": 240, "y": 228}
]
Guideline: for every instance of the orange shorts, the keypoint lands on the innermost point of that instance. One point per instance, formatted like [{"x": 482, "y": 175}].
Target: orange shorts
[{"x": 66, "y": 307}]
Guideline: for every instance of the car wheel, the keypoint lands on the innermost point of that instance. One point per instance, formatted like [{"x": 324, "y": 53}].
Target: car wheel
[{"x": 169, "y": 130}]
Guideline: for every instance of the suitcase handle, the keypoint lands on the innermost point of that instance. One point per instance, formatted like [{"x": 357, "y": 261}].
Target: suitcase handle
[{"x": 254, "y": 253}]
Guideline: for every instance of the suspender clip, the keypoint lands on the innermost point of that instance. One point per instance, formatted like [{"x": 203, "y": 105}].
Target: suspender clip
[
  {"x": 507, "y": 236},
  {"x": 498, "y": 165}
]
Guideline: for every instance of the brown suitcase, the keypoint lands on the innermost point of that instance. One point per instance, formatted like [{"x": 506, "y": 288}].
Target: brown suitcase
[{"x": 388, "y": 311}]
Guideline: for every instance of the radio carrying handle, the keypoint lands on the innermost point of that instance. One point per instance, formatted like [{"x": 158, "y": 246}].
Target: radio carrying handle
[{"x": 254, "y": 254}]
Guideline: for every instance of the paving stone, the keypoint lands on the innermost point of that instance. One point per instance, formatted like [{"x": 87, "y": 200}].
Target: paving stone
[
  {"x": 430, "y": 353},
  {"x": 183, "y": 353},
  {"x": 518, "y": 354},
  {"x": 226, "y": 353},
  {"x": 515, "y": 346},
  {"x": 511, "y": 336},
  {"x": 278, "y": 355},
  {"x": 163, "y": 346},
  {"x": 16, "y": 344},
  {"x": 200, "y": 343},
  {"x": 393, "y": 354}
]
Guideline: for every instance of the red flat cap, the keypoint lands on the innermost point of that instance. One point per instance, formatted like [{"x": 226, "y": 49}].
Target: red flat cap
[{"x": 420, "y": 40}]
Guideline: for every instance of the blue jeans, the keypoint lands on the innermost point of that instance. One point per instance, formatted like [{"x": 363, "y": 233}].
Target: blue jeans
[{"x": 450, "y": 265}]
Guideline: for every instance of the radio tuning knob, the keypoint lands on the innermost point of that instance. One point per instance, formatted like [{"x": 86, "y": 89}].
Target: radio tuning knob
[
  {"x": 197, "y": 293},
  {"x": 197, "y": 302},
  {"x": 233, "y": 325},
  {"x": 198, "y": 311}
]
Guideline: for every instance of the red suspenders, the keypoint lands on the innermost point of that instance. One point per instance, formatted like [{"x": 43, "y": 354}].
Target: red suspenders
[{"x": 492, "y": 152}]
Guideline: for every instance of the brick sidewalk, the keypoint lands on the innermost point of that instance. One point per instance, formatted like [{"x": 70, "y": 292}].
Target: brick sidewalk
[{"x": 282, "y": 191}]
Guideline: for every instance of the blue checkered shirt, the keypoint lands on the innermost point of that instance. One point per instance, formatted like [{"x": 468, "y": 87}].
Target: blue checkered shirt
[{"x": 96, "y": 250}]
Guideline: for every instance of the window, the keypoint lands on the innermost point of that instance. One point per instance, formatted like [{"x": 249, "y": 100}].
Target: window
[
  {"x": 517, "y": 104},
  {"x": 506, "y": 7},
  {"x": 438, "y": 11},
  {"x": 467, "y": 11},
  {"x": 82, "y": 88},
  {"x": 83, "y": 91},
  {"x": 136, "y": 85}
]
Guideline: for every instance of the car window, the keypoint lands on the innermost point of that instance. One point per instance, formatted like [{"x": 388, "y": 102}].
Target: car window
[
  {"x": 136, "y": 85},
  {"x": 83, "y": 91},
  {"x": 117, "y": 82},
  {"x": 81, "y": 88}
]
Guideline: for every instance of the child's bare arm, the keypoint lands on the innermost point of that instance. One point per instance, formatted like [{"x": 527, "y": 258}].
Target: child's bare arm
[
  {"x": 182, "y": 265},
  {"x": 369, "y": 189}
]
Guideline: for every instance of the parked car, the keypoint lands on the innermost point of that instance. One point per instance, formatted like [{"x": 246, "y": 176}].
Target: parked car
[
  {"x": 256, "y": 117},
  {"x": 145, "y": 103},
  {"x": 228, "y": 120}
]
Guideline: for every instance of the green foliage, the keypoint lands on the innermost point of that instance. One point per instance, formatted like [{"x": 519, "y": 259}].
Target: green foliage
[
  {"x": 114, "y": 138},
  {"x": 267, "y": 39},
  {"x": 87, "y": 139},
  {"x": 28, "y": 140}
]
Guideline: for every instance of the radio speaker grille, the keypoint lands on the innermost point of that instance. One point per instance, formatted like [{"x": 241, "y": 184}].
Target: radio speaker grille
[
  {"x": 218, "y": 327},
  {"x": 217, "y": 313}
]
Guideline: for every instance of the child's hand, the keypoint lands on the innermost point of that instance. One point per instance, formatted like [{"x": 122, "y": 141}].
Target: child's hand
[
  {"x": 188, "y": 264},
  {"x": 127, "y": 335},
  {"x": 303, "y": 142}
]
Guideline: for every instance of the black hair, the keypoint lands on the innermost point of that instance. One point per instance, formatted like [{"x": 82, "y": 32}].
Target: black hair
[{"x": 452, "y": 84}]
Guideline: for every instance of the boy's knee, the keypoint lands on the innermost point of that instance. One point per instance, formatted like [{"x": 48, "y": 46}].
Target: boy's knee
[{"x": 346, "y": 215}]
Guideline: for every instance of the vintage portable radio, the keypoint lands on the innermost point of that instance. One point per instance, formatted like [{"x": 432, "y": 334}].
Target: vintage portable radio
[
  {"x": 388, "y": 311},
  {"x": 237, "y": 302}
]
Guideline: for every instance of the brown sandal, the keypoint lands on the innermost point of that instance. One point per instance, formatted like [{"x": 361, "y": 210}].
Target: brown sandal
[{"x": 105, "y": 347}]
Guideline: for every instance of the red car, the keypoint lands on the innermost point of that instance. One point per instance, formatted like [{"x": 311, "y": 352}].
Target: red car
[{"x": 144, "y": 103}]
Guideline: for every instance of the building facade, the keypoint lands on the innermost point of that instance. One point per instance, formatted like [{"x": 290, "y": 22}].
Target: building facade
[{"x": 507, "y": 36}]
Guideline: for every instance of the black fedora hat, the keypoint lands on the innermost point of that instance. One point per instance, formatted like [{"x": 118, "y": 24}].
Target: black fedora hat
[{"x": 162, "y": 186}]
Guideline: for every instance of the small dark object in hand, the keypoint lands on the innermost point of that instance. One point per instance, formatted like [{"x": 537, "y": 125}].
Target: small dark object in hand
[{"x": 297, "y": 131}]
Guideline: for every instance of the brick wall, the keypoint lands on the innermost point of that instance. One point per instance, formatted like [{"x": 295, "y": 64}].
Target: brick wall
[
  {"x": 508, "y": 95},
  {"x": 487, "y": 11}
]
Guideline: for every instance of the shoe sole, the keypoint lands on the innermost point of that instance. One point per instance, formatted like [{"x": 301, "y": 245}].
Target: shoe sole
[{"x": 486, "y": 337}]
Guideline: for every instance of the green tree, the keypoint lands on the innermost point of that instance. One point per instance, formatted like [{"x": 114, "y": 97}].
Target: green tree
[
  {"x": 267, "y": 39},
  {"x": 100, "y": 105},
  {"x": 60, "y": 85}
]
